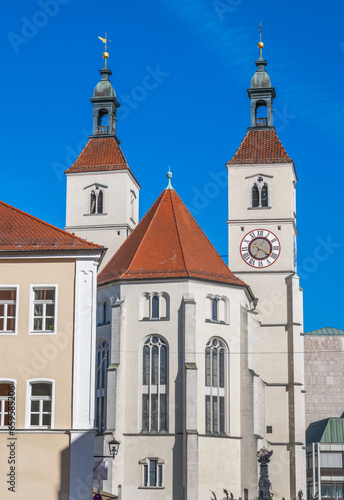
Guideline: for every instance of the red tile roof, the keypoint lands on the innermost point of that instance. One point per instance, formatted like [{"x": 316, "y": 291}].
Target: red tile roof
[
  {"x": 20, "y": 231},
  {"x": 99, "y": 154},
  {"x": 260, "y": 146},
  {"x": 167, "y": 243}
]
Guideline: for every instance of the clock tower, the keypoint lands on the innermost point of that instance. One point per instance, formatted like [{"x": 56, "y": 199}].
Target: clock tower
[{"x": 262, "y": 252}]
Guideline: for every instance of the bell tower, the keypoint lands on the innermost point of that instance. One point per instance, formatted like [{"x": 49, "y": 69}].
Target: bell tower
[
  {"x": 102, "y": 191},
  {"x": 262, "y": 252}
]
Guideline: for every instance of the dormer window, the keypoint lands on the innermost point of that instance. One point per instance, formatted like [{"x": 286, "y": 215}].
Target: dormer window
[
  {"x": 260, "y": 193},
  {"x": 96, "y": 201}
]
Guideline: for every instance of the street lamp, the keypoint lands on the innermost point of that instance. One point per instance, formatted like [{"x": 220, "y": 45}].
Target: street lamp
[{"x": 113, "y": 448}]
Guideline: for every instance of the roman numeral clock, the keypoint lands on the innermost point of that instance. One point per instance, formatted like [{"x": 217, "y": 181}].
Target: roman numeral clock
[{"x": 260, "y": 248}]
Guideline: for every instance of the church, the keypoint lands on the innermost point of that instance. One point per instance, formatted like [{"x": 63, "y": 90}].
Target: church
[{"x": 199, "y": 365}]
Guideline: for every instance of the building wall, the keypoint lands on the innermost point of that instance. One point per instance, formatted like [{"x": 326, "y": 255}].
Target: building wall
[
  {"x": 116, "y": 222},
  {"x": 324, "y": 376},
  {"x": 211, "y": 455}
]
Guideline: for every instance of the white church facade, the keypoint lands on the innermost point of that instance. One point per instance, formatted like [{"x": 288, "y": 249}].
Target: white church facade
[{"x": 199, "y": 364}]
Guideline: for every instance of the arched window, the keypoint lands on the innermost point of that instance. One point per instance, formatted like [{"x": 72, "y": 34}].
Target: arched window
[
  {"x": 132, "y": 205},
  {"x": 102, "y": 365},
  {"x": 40, "y": 403},
  {"x": 264, "y": 195},
  {"x": 215, "y": 390},
  {"x": 255, "y": 196},
  {"x": 155, "y": 307},
  {"x": 214, "y": 315},
  {"x": 93, "y": 203},
  {"x": 96, "y": 201},
  {"x": 100, "y": 202},
  {"x": 260, "y": 193},
  {"x": 154, "y": 385}
]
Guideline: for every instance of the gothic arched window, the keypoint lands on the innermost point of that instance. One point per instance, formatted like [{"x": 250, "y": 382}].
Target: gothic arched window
[
  {"x": 215, "y": 387},
  {"x": 102, "y": 364},
  {"x": 100, "y": 202},
  {"x": 260, "y": 193},
  {"x": 265, "y": 195},
  {"x": 255, "y": 196},
  {"x": 96, "y": 201},
  {"x": 155, "y": 307},
  {"x": 93, "y": 203},
  {"x": 154, "y": 385}
]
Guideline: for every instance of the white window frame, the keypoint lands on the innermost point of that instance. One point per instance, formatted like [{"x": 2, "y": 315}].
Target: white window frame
[
  {"x": 159, "y": 464},
  {"x": 13, "y": 382},
  {"x": 28, "y": 402},
  {"x": 12, "y": 287},
  {"x": 49, "y": 286}
]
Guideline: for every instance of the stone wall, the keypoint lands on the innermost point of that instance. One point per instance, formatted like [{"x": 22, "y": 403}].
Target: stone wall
[{"x": 324, "y": 376}]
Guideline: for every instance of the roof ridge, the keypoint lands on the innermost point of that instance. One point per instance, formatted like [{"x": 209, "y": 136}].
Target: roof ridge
[
  {"x": 50, "y": 225},
  {"x": 179, "y": 238}
]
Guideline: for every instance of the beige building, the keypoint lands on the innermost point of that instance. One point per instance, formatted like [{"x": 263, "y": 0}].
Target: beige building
[{"x": 47, "y": 335}]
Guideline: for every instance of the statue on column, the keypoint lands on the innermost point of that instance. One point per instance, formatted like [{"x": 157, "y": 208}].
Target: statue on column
[{"x": 264, "y": 484}]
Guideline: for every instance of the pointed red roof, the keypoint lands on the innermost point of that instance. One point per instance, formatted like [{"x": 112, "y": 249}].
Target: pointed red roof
[
  {"x": 260, "y": 146},
  {"x": 20, "y": 231},
  {"x": 167, "y": 243},
  {"x": 99, "y": 154}
]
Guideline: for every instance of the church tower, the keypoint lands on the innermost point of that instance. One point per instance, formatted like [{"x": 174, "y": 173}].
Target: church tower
[
  {"x": 102, "y": 191},
  {"x": 262, "y": 252}
]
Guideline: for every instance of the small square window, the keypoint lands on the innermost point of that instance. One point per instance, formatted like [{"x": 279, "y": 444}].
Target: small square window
[
  {"x": 44, "y": 310},
  {"x": 269, "y": 429}
]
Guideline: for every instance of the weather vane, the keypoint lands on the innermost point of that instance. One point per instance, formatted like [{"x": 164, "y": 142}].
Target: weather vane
[
  {"x": 260, "y": 43},
  {"x": 105, "y": 41}
]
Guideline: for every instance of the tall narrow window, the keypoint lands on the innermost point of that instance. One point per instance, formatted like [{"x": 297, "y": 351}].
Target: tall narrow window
[
  {"x": 260, "y": 193},
  {"x": 215, "y": 396},
  {"x": 8, "y": 310},
  {"x": 96, "y": 201},
  {"x": 155, "y": 307},
  {"x": 93, "y": 203},
  {"x": 264, "y": 195},
  {"x": 255, "y": 196},
  {"x": 214, "y": 310},
  {"x": 154, "y": 385},
  {"x": 100, "y": 202},
  {"x": 40, "y": 404},
  {"x": 101, "y": 385}
]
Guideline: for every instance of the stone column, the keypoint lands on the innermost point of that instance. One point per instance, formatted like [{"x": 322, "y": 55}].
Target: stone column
[{"x": 264, "y": 482}]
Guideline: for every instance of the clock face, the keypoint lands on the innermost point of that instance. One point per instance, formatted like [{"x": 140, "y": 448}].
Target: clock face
[{"x": 260, "y": 248}]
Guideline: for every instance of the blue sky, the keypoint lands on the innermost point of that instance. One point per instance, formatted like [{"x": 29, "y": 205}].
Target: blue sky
[{"x": 203, "y": 54}]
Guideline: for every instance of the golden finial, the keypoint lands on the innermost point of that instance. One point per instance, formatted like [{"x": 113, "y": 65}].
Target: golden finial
[
  {"x": 105, "y": 41},
  {"x": 260, "y": 43}
]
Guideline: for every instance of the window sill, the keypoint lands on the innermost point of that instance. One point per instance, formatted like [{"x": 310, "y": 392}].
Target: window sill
[
  {"x": 96, "y": 215},
  {"x": 151, "y": 487},
  {"x": 259, "y": 208},
  {"x": 8, "y": 333},
  {"x": 153, "y": 319},
  {"x": 42, "y": 332},
  {"x": 216, "y": 322}
]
